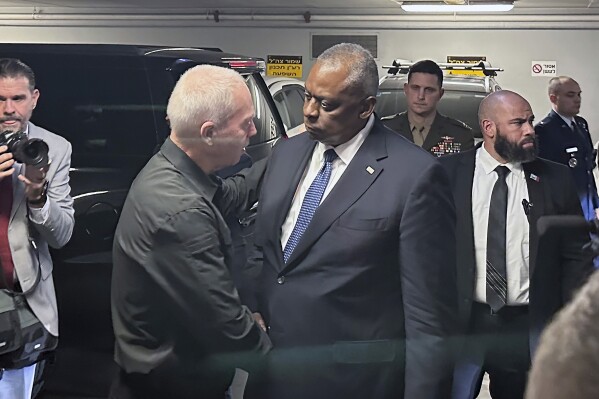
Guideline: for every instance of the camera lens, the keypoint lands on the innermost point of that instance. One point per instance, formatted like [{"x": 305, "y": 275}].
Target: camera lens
[
  {"x": 36, "y": 152},
  {"x": 32, "y": 152}
]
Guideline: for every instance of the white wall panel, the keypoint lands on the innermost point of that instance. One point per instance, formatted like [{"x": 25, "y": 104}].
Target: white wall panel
[{"x": 574, "y": 50}]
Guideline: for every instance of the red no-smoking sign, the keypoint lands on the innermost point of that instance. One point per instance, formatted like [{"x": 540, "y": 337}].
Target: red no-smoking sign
[{"x": 544, "y": 68}]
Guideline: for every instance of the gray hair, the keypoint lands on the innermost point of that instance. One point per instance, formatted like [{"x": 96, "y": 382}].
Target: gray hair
[
  {"x": 14, "y": 68},
  {"x": 556, "y": 83},
  {"x": 203, "y": 93},
  {"x": 363, "y": 71}
]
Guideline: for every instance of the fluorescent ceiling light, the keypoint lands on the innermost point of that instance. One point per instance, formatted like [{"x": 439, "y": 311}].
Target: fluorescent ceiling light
[{"x": 439, "y": 7}]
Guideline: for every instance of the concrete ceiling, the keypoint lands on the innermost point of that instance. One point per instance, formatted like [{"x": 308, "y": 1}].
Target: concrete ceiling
[{"x": 339, "y": 7}]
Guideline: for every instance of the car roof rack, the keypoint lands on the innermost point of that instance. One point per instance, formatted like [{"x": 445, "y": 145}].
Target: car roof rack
[{"x": 403, "y": 67}]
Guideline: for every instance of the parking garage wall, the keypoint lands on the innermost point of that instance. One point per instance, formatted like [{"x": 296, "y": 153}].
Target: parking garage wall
[{"x": 511, "y": 49}]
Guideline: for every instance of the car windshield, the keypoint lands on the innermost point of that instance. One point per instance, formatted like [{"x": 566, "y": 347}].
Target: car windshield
[{"x": 461, "y": 105}]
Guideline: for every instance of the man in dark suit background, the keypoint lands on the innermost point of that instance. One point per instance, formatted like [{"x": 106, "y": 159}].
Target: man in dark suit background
[
  {"x": 510, "y": 280},
  {"x": 422, "y": 123},
  {"x": 564, "y": 137},
  {"x": 358, "y": 299}
]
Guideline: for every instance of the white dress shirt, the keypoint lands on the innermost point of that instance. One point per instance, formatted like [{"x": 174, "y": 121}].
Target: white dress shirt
[
  {"x": 345, "y": 153},
  {"x": 517, "y": 227}
]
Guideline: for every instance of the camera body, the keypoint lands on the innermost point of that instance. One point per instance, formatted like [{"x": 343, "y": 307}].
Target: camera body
[{"x": 32, "y": 152}]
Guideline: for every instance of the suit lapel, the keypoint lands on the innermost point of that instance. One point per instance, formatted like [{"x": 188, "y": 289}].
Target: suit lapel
[
  {"x": 353, "y": 183},
  {"x": 464, "y": 179},
  {"x": 296, "y": 159},
  {"x": 404, "y": 126},
  {"x": 18, "y": 188},
  {"x": 534, "y": 181},
  {"x": 565, "y": 130},
  {"x": 18, "y": 192}
]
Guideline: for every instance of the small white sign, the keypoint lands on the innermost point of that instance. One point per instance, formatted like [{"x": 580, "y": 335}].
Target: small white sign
[{"x": 543, "y": 68}]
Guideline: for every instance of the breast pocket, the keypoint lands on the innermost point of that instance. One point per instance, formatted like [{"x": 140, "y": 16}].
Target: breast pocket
[{"x": 360, "y": 222}]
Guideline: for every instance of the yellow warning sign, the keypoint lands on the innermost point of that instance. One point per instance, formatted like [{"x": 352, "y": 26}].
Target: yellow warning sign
[
  {"x": 467, "y": 60},
  {"x": 284, "y": 65}
]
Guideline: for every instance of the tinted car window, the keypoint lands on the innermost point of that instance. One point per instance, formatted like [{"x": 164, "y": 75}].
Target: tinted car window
[
  {"x": 280, "y": 104},
  {"x": 289, "y": 100},
  {"x": 107, "y": 119},
  {"x": 266, "y": 126},
  {"x": 295, "y": 105}
]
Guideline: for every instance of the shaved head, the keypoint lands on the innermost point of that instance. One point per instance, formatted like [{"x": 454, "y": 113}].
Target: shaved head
[
  {"x": 500, "y": 99},
  {"x": 505, "y": 119}
]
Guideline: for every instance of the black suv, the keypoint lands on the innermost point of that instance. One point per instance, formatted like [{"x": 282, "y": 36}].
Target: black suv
[{"x": 110, "y": 101}]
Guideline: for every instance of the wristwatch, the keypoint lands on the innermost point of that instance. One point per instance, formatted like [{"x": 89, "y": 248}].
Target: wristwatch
[{"x": 41, "y": 200}]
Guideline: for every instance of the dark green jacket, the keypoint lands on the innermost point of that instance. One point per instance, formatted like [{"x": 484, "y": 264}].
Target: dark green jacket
[{"x": 446, "y": 135}]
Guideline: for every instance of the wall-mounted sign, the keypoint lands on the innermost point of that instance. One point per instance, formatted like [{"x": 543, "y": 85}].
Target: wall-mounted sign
[
  {"x": 465, "y": 59},
  {"x": 284, "y": 65},
  {"x": 543, "y": 68}
]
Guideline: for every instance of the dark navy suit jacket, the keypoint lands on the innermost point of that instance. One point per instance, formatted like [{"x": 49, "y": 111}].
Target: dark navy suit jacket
[
  {"x": 556, "y": 138},
  {"x": 367, "y": 301}
]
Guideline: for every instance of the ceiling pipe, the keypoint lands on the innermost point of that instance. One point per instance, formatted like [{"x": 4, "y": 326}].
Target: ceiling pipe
[
  {"x": 393, "y": 21},
  {"x": 302, "y": 18}
]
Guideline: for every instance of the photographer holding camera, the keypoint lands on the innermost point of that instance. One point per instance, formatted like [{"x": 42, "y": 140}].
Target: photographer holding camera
[{"x": 36, "y": 211}]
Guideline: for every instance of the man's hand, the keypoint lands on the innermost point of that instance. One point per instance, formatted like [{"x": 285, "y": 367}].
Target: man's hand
[
  {"x": 34, "y": 180},
  {"x": 258, "y": 318},
  {"x": 6, "y": 162}
]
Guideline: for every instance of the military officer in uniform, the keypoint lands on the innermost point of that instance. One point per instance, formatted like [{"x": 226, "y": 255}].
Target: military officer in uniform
[
  {"x": 421, "y": 123},
  {"x": 564, "y": 137}
]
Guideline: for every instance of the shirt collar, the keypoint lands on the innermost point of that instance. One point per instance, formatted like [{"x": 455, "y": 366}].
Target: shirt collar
[
  {"x": 488, "y": 163},
  {"x": 428, "y": 122},
  {"x": 208, "y": 185},
  {"x": 566, "y": 119},
  {"x": 348, "y": 150}
]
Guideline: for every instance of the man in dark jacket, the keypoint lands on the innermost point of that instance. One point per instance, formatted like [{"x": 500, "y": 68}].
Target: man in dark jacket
[
  {"x": 179, "y": 325},
  {"x": 511, "y": 280},
  {"x": 564, "y": 137}
]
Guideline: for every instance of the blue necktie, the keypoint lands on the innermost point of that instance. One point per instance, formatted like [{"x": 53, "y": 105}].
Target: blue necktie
[{"x": 310, "y": 203}]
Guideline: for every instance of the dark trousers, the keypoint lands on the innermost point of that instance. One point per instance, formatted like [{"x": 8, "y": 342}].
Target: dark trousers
[
  {"x": 152, "y": 386},
  {"x": 502, "y": 339}
]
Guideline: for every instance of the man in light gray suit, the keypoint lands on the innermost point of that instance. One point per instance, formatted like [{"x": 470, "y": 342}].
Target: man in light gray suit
[{"x": 35, "y": 204}]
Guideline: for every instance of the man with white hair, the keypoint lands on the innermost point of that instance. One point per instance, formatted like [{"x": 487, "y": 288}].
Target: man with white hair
[{"x": 179, "y": 325}]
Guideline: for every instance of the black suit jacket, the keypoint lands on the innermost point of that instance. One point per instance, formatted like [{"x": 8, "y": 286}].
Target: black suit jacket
[
  {"x": 558, "y": 264},
  {"x": 366, "y": 303}
]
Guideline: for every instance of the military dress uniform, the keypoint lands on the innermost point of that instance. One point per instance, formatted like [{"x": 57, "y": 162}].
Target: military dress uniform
[
  {"x": 571, "y": 146},
  {"x": 446, "y": 135}
]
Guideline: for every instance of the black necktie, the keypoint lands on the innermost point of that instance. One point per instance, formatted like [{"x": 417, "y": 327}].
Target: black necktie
[{"x": 496, "y": 233}]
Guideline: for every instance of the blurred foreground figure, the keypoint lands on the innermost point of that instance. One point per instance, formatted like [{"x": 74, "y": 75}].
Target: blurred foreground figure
[{"x": 567, "y": 360}]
